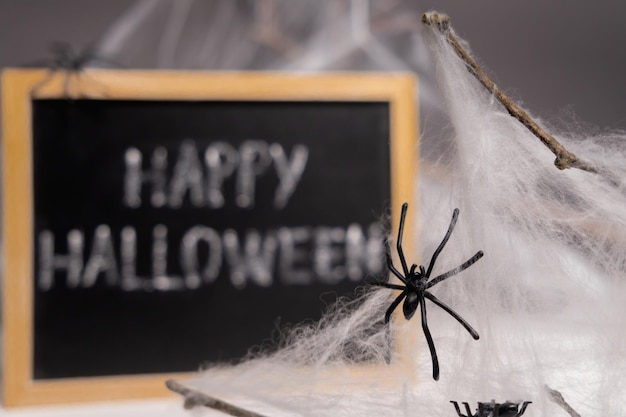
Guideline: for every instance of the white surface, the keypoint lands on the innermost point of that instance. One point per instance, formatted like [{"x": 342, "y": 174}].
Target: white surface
[{"x": 153, "y": 408}]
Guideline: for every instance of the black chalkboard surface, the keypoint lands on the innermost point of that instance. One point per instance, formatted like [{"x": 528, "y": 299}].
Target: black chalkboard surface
[{"x": 168, "y": 231}]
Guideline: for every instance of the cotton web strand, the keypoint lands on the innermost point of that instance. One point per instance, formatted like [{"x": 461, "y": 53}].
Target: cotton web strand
[
  {"x": 320, "y": 368},
  {"x": 548, "y": 298},
  {"x": 551, "y": 305}
]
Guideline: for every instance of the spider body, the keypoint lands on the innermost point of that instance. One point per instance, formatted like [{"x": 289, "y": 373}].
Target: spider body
[
  {"x": 417, "y": 282},
  {"x": 411, "y": 302},
  {"x": 65, "y": 58}
]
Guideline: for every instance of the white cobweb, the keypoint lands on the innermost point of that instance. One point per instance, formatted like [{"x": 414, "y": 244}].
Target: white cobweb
[{"x": 548, "y": 298}]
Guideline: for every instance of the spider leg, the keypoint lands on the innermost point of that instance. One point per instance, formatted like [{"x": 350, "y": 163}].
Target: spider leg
[
  {"x": 456, "y": 270},
  {"x": 458, "y": 410},
  {"x": 523, "y": 408},
  {"x": 468, "y": 409},
  {"x": 394, "y": 270},
  {"x": 51, "y": 73},
  {"x": 455, "y": 216},
  {"x": 67, "y": 83},
  {"x": 429, "y": 339},
  {"x": 388, "y": 313},
  {"x": 94, "y": 84},
  {"x": 393, "y": 306},
  {"x": 405, "y": 268},
  {"x": 453, "y": 314},
  {"x": 387, "y": 285}
]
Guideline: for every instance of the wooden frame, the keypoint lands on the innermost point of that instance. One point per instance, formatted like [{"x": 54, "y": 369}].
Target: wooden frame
[{"x": 19, "y": 387}]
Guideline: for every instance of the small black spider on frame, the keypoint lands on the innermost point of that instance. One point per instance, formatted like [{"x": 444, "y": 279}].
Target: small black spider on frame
[
  {"x": 417, "y": 282},
  {"x": 65, "y": 58}
]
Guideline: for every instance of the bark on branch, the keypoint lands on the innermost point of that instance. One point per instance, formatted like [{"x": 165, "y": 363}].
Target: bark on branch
[{"x": 564, "y": 158}]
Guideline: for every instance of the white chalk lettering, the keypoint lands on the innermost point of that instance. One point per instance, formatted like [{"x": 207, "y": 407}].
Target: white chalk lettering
[
  {"x": 254, "y": 161},
  {"x": 328, "y": 254},
  {"x": 288, "y": 256},
  {"x": 294, "y": 262},
  {"x": 363, "y": 253},
  {"x": 203, "y": 178},
  {"x": 187, "y": 176},
  {"x": 289, "y": 171},
  {"x": 189, "y": 256},
  {"x": 134, "y": 177},
  {"x": 49, "y": 261},
  {"x": 221, "y": 160},
  {"x": 130, "y": 280},
  {"x": 160, "y": 279},
  {"x": 101, "y": 260},
  {"x": 256, "y": 261}
]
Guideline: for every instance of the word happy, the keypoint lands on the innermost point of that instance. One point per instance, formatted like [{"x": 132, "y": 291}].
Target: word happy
[{"x": 203, "y": 175}]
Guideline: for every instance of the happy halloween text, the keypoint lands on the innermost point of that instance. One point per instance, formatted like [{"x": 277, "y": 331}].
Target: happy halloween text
[{"x": 299, "y": 255}]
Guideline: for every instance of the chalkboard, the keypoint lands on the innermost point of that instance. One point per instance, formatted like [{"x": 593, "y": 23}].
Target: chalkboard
[{"x": 171, "y": 224}]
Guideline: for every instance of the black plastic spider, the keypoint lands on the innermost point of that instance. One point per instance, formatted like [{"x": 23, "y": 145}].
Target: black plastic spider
[
  {"x": 493, "y": 409},
  {"x": 65, "y": 58},
  {"x": 416, "y": 285}
]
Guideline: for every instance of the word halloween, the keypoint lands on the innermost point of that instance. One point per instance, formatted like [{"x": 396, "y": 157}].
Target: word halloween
[{"x": 287, "y": 256}]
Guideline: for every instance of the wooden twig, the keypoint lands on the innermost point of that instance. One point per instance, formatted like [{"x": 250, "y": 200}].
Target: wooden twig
[
  {"x": 557, "y": 398},
  {"x": 195, "y": 398},
  {"x": 564, "y": 158}
]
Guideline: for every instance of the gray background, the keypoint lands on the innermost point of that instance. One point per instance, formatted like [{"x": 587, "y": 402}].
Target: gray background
[{"x": 558, "y": 58}]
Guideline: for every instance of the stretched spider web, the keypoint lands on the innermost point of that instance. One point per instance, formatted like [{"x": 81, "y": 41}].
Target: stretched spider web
[{"x": 548, "y": 298}]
